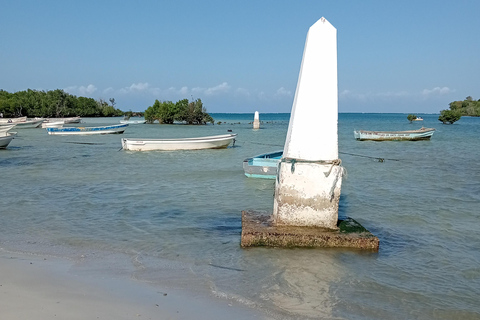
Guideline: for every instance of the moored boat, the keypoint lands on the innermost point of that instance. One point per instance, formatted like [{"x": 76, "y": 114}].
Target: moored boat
[
  {"x": 211, "y": 142},
  {"x": 119, "y": 128},
  {"x": 133, "y": 121},
  {"x": 13, "y": 120},
  {"x": 263, "y": 165},
  {"x": 52, "y": 124},
  {"x": 29, "y": 123},
  {"x": 72, "y": 120},
  {"x": 409, "y": 135},
  {"x": 6, "y": 138},
  {"x": 5, "y": 127}
]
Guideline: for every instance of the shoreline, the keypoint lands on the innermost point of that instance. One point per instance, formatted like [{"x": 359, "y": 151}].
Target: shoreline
[{"x": 44, "y": 287}]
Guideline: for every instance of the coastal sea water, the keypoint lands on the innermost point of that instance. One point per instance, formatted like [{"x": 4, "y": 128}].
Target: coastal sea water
[{"x": 173, "y": 219}]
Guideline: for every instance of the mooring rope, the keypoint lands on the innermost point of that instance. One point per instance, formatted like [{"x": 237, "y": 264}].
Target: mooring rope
[{"x": 347, "y": 153}]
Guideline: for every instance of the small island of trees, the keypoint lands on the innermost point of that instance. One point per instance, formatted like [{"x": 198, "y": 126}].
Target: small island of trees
[
  {"x": 467, "y": 107},
  {"x": 167, "y": 112}
]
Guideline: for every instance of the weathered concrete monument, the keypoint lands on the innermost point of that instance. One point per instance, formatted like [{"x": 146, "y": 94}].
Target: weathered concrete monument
[
  {"x": 309, "y": 175},
  {"x": 256, "y": 121}
]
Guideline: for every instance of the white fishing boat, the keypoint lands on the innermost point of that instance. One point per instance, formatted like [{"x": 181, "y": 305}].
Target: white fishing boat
[
  {"x": 13, "y": 120},
  {"x": 29, "y": 123},
  {"x": 5, "y": 127},
  {"x": 418, "y": 119},
  {"x": 112, "y": 129},
  {"x": 211, "y": 142},
  {"x": 6, "y": 138},
  {"x": 409, "y": 135},
  {"x": 71, "y": 120},
  {"x": 52, "y": 124},
  {"x": 133, "y": 121},
  {"x": 262, "y": 166}
]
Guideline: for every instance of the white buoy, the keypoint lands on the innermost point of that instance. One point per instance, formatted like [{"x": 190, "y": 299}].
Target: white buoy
[
  {"x": 308, "y": 185},
  {"x": 256, "y": 121}
]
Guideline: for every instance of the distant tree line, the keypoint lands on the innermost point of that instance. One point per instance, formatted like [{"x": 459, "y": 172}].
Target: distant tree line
[
  {"x": 467, "y": 107},
  {"x": 167, "y": 112},
  {"x": 55, "y": 103}
]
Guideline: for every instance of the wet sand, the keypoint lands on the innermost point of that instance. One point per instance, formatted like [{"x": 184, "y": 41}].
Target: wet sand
[{"x": 40, "y": 288}]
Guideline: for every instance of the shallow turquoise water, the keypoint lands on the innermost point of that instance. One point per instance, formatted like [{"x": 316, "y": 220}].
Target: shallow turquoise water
[{"x": 174, "y": 218}]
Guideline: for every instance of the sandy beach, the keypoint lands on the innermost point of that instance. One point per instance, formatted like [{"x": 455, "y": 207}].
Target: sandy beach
[{"x": 40, "y": 288}]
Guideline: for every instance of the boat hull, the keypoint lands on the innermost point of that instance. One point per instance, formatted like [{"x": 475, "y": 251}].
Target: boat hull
[
  {"x": 212, "y": 142},
  {"x": 410, "y": 135},
  {"x": 5, "y": 128},
  {"x": 133, "y": 121},
  {"x": 262, "y": 166},
  {"x": 114, "y": 129},
  {"x": 6, "y": 139}
]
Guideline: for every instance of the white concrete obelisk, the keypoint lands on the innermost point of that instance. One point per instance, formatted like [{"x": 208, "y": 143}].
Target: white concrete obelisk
[
  {"x": 308, "y": 185},
  {"x": 256, "y": 121}
]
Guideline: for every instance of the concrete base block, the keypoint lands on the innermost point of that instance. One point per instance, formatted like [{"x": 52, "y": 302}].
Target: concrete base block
[{"x": 258, "y": 230}]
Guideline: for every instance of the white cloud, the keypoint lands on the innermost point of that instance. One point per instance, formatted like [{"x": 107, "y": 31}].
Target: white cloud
[
  {"x": 282, "y": 92},
  {"x": 436, "y": 91},
  {"x": 372, "y": 96},
  {"x": 242, "y": 92},
  {"x": 108, "y": 90},
  {"x": 221, "y": 88},
  {"x": 136, "y": 87},
  {"x": 82, "y": 90}
]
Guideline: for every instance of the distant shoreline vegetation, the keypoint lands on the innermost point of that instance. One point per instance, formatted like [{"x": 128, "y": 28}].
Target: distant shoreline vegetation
[
  {"x": 167, "y": 112},
  {"x": 54, "y": 103}
]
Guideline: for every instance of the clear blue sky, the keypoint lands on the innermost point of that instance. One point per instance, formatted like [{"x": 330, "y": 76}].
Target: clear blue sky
[{"x": 242, "y": 56}]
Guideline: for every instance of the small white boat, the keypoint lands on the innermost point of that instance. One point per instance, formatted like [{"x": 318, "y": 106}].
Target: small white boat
[
  {"x": 6, "y": 138},
  {"x": 22, "y": 123},
  {"x": 29, "y": 124},
  {"x": 409, "y": 135},
  {"x": 52, "y": 124},
  {"x": 71, "y": 120},
  {"x": 13, "y": 120},
  {"x": 418, "y": 119},
  {"x": 211, "y": 142},
  {"x": 119, "y": 128},
  {"x": 263, "y": 165},
  {"x": 133, "y": 121},
  {"x": 5, "y": 127}
]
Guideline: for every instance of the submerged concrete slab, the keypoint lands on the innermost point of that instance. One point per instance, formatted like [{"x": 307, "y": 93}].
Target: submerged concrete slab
[{"x": 258, "y": 230}]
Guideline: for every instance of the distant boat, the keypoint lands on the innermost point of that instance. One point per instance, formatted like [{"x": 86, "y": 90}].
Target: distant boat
[
  {"x": 133, "y": 121},
  {"x": 211, "y": 142},
  {"x": 5, "y": 138},
  {"x": 263, "y": 165},
  {"x": 52, "y": 124},
  {"x": 119, "y": 128},
  {"x": 418, "y": 119},
  {"x": 71, "y": 120},
  {"x": 22, "y": 123},
  {"x": 409, "y": 135},
  {"x": 29, "y": 124},
  {"x": 12, "y": 120}
]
